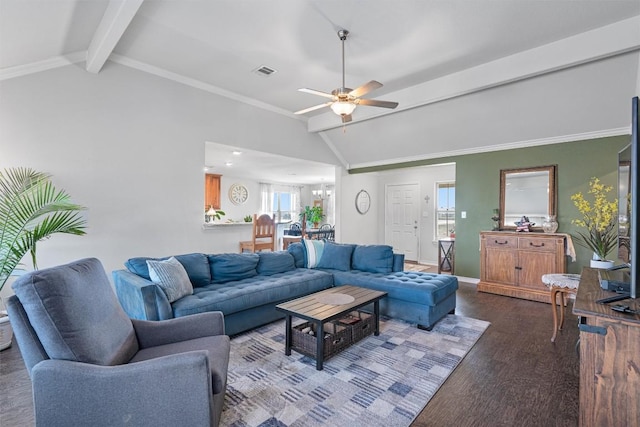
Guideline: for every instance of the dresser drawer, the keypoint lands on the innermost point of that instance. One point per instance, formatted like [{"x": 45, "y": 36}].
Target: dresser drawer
[
  {"x": 537, "y": 244},
  {"x": 497, "y": 241}
]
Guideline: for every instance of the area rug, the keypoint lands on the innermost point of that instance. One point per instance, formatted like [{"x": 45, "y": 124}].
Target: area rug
[{"x": 379, "y": 381}]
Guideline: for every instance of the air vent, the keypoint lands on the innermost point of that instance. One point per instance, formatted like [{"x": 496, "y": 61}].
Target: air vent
[{"x": 264, "y": 71}]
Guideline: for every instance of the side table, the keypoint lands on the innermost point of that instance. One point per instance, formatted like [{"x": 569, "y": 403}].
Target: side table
[
  {"x": 446, "y": 254},
  {"x": 563, "y": 284}
]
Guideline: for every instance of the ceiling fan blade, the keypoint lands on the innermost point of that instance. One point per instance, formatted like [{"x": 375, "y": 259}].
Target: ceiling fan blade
[
  {"x": 317, "y": 107},
  {"x": 346, "y": 118},
  {"x": 377, "y": 103},
  {"x": 365, "y": 88},
  {"x": 316, "y": 92}
]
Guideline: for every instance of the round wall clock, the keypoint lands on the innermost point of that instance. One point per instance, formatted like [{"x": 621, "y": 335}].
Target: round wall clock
[
  {"x": 238, "y": 194},
  {"x": 363, "y": 202}
]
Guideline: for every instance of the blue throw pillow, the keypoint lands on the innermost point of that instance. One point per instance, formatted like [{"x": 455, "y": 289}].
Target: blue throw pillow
[
  {"x": 373, "y": 258},
  {"x": 336, "y": 256},
  {"x": 196, "y": 266},
  {"x": 228, "y": 267},
  {"x": 275, "y": 262},
  {"x": 297, "y": 251},
  {"x": 313, "y": 252}
]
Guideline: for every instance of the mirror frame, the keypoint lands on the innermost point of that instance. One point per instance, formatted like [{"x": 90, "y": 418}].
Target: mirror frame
[{"x": 551, "y": 170}]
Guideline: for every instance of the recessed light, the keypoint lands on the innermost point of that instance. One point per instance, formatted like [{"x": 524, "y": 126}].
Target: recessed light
[
  {"x": 228, "y": 164},
  {"x": 236, "y": 153}
]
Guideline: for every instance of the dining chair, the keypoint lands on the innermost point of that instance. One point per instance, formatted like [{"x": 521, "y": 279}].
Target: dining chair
[
  {"x": 263, "y": 236},
  {"x": 326, "y": 232}
]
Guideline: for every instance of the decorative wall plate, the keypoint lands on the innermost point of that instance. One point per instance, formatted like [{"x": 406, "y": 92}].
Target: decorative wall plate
[
  {"x": 238, "y": 194},
  {"x": 363, "y": 202}
]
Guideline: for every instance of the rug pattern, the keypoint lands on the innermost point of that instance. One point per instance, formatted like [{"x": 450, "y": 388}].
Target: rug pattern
[{"x": 380, "y": 381}]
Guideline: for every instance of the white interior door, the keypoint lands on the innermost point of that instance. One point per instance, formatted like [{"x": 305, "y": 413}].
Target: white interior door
[{"x": 401, "y": 219}]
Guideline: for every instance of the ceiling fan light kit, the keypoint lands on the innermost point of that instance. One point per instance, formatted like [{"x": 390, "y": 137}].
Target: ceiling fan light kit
[{"x": 343, "y": 99}]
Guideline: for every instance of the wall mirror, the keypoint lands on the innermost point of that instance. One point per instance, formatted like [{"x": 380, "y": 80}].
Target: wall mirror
[
  {"x": 527, "y": 192},
  {"x": 363, "y": 202}
]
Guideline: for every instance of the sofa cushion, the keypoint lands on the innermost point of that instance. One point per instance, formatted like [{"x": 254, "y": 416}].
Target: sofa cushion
[
  {"x": 336, "y": 256},
  {"x": 373, "y": 258},
  {"x": 275, "y": 262},
  {"x": 297, "y": 251},
  {"x": 257, "y": 291},
  {"x": 411, "y": 286},
  {"x": 61, "y": 305},
  {"x": 228, "y": 267},
  {"x": 171, "y": 276},
  {"x": 196, "y": 266},
  {"x": 313, "y": 252}
]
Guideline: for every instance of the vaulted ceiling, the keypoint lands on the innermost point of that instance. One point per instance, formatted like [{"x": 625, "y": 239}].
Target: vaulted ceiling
[{"x": 469, "y": 76}]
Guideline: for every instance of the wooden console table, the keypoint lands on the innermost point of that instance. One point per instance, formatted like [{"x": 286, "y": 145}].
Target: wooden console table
[{"x": 609, "y": 357}]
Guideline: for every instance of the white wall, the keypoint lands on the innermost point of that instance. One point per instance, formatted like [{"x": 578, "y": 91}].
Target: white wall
[
  {"x": 426, "y": 177},
  {"x": 369, "y": 228},
  {"x": 130, "y": 147},
  {"x": 352, "y": 226}
]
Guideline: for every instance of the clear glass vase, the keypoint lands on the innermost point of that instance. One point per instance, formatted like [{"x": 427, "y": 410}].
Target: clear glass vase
[{"x": 550, "y": 224}]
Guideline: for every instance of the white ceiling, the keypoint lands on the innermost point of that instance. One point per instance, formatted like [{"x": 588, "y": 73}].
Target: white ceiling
[
  {"x": 264, "y": 167},
  {"x": 451, "y": 64}
]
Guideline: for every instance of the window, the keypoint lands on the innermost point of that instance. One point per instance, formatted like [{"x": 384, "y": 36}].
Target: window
[
  {"x": 281, "y": 200},
  {"x": 282, "y": 206},
  {"x": 445, "y": 209}
]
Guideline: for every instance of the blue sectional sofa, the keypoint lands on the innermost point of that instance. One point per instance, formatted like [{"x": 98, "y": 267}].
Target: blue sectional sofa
[{"x": 247, "y": 287}]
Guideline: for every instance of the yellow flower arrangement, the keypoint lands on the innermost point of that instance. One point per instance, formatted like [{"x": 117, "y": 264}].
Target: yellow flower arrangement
[{"x": 599, "y": 219}]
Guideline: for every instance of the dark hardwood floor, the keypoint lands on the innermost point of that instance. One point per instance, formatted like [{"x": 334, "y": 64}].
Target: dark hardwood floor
[{"x": 513, "y": 375}]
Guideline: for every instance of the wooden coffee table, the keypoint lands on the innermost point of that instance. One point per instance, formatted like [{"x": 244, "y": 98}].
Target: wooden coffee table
[{"x": 325, "y": 306}]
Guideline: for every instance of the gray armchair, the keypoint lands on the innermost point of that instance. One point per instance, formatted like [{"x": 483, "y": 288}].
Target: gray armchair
[{"x": 91, "y": 365}]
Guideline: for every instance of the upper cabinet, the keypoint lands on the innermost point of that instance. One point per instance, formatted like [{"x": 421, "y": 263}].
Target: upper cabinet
[{"x": 212, "y": 191}]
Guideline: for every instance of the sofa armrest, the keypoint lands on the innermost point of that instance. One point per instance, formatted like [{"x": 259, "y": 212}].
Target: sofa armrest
[
  {"x": 152, "y": 334},
  {"x": 398, "y": 262},
  {"x": 141, "y": 298},
  {"x": 169, "y": 390}
]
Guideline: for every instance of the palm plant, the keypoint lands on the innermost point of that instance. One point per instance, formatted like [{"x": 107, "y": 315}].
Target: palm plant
[{"x": 31, "y": 209}]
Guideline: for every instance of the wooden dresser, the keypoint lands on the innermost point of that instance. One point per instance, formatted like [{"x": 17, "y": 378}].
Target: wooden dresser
[
  {"x": 609, "y": 357},
  {"x": 512, "y": 264}
]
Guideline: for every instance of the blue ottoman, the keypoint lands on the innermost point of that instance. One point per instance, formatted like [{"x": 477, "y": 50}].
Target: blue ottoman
[{"x": 421, "y": 298}]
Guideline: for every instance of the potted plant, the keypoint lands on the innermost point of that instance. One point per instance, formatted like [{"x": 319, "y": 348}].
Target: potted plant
[
  {"x": 313, "y": 215},
  {"x": 212, "y": 214},
  {"x": 599, "y": 220},
  {"x": 31, "y": 209}
]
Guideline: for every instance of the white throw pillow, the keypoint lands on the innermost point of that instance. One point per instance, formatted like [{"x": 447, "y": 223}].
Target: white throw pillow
[{"x": 171, "y": 276}]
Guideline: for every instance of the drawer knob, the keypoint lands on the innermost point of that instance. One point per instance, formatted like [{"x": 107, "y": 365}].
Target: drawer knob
[
  {"x": 536, "y": 246},
  {"x": 502, "y": 243}
]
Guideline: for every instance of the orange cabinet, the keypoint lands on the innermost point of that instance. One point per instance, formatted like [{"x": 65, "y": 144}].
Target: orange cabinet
[{"x": 212, "y": 191}]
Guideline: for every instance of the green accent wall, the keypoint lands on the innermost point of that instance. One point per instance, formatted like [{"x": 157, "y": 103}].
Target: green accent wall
[{"x": 478, "y": 188}]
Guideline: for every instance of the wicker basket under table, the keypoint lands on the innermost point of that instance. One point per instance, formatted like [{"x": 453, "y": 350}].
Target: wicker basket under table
[
  {"x": 336, "y": 338},
  {"x": 360, "y": 324}
]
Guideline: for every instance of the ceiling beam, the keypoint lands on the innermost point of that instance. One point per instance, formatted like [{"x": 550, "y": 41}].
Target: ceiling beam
[
  {"x": 603, "y": 42},
  {"x": 115, "y": 21}
]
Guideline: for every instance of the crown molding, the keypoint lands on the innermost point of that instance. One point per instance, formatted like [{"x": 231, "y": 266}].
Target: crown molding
[
  {"x": 47, "y": 64},
  {"x": 160, "y": 72}
]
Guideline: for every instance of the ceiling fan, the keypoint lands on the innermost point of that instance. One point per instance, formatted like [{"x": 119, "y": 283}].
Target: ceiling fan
[{"x": 343, "y": 99}]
